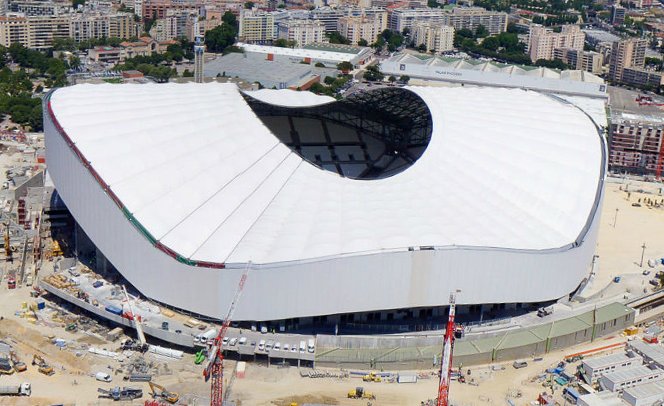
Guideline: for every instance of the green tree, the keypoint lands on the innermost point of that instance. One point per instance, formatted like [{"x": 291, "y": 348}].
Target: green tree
[
  {"x": 345, "y": 66},
  {"x": 373, "y": 74},
  {"x": 362, "y": 42},
  {"x": 218, "y": 38},
  {"x": 335, "y": 37},
  {"x": 392, "y": 79},
  {"x": 490, "y": 43},
  {"x": 553, "y": 64},
  {"x": 76, "y": 3},
  {"x": 404, "y": 79},
  {"x": 187, "y": 74},
  {"x": 481, "y": 31},
  {"x": 249, "y": 5}
]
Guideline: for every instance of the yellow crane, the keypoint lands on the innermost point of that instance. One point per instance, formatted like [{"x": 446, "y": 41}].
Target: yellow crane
[
  {"x": 159, "y": 391},
  {"x": 42, "y": 366}
]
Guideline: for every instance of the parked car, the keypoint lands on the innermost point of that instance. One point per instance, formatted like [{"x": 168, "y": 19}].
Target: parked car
[
  {"x": 277, "y": 346},
  {"x": 233, "y": 341}
]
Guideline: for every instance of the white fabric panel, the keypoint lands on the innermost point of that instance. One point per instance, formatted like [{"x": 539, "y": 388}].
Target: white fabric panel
[{"x": 504, "y": 168}]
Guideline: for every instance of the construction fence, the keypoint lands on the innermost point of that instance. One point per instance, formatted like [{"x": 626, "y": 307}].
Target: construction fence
[{"x": 423, "y": 352}]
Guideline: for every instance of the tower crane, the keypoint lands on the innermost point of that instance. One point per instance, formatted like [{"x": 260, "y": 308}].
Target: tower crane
[
  {"x": 446, "y": 358},
  {"x": 214, "y": 369}
]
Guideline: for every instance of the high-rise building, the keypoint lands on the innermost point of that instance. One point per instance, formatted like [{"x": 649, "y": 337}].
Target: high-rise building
[
  {"x": 32, "y": 8},
  {"x": 367, "y": 28},
  {"x": 628, "y": 53},
  {"x": 97, "y": 25},
  {"x": 329, "y": 17},
  {"x": 459, "y": 18},
  {"x": 436, "y": 38},
  {"x": 256, "y": 27},
  {"x": 121, "y": 25},
  {"x": 618, "y": 14},
  {"x": 543, "y": 41},
  {"x": 36, "y": 32},
  {"x": 635, "y": 144},
  {"x": 303, "y": 32}
]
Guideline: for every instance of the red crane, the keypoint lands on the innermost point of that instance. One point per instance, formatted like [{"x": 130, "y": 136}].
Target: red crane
[
  {"x": 215, "y": 369},
  {"x": 446, "y": 357}
]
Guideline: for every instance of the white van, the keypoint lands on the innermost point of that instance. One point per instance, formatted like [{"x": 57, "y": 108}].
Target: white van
[
  {"x": 261, "y": 345},
  {"x": 103, "y": 376},
  {"x": 311, "y": 343},
  {"x": 303, "y": 346},
  {"x": 242, "y": 341}
]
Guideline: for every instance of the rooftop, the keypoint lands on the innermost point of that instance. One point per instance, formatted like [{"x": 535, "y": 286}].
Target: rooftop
[
  {"x": 631, "y": 373},
  {"x": 646, "y": 391},
  {"x": 599, "y": 362}
]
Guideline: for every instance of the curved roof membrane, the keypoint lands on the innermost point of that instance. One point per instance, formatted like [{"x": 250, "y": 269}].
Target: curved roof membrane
[{"x": 208, "y": 173}]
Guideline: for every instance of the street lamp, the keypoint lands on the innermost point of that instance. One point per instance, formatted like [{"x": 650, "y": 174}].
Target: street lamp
[
  {"x": 643, "y": 251},
  {"x": 615, "y": 218}
]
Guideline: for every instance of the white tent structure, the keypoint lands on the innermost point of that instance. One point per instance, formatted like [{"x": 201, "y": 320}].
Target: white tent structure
[{"x": 180, "y": 185}]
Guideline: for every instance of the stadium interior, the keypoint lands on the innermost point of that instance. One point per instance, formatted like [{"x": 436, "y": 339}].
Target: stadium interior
[{"x": 369, "y": 135}]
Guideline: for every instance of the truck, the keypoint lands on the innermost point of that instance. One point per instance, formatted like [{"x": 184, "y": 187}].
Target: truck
[
  {"x": 22, "y": 389},
  {"x": 205, "y": 338}
]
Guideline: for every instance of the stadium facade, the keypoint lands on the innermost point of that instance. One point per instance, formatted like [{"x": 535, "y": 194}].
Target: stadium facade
[{"x": 386, "y": 200}]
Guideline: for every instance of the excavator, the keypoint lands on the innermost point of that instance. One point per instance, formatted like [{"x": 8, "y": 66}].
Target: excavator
[
  {"x": 360, "y": 393},
  {"x": 159, "y": 391},
  {"x": 19, "y": 366},
  {"x": 42, "y": 366}
]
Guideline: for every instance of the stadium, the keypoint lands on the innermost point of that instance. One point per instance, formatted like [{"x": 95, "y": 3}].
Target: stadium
[{"x": 360, "y": 208}]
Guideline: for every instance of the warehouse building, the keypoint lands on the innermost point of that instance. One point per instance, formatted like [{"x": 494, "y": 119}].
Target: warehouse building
[
  {"x": 339, "y": 210},
  {"x": 652, "y": 354},
  {"x": 481, "y": 73},
  {"x": 328, "y": 54}
]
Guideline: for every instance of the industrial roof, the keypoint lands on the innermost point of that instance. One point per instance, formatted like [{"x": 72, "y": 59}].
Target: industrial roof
[
  {"x": 600, "y": 362},
  {"x": 623, "y": 375},
  {"x": 514, "y": 70},
  {"x": 647, "y": 390},
  {"x": 196, "y": 170},
  {"x": 326, "y": 54},
  {"x": 652, "y": 352}
]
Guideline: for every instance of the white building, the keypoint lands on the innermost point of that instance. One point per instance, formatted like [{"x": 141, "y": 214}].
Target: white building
[
  {"x": 598, "y": 366},
  {"x": 645, "y": 395},
  {"x": 362, "y": 222},
  {"x": 459, "y": 18},
  {"x": 303, "y": 32},
  {"x": 629, "y": 378},
  {"x": 435, "y": 38}
]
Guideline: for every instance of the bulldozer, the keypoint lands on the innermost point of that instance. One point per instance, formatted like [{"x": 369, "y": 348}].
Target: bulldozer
[
  {"x": 360, "y": 393},
  {"x": 159, "y": 391},
  {"x": 19, "y": 366},
  {"x": 42, "y": 366},
  {"x": 372, "y": 377}
]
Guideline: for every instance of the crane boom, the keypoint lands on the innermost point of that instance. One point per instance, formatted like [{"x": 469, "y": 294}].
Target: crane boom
[
  {"x": 446, "y": 358},
  {"x": 214, "y": 368},
  {"x": 137, "y": 323}
]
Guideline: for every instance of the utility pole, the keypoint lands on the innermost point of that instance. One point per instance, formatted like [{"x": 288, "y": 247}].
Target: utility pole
[
  {"x": 643, "y": 251},
  {"x": 615, "y": 218}
]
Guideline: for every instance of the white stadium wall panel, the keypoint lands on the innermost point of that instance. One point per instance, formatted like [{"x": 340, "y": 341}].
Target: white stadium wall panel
[{"x": 454, "y": 219}]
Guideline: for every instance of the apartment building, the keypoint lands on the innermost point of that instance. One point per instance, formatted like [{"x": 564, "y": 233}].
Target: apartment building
[
  {"x": 459, "y": 18},
  {"x": 588, "y": 61},
  {"x": 635, "y": 144},
  {"x": 36, "y": 32},
  {"x": 329, "y": 17},
  {"x": 543, "y": 41},
  {"x": 367, "y": 28},
  {"x": 472, "y": 17},
  {"x": 629, "y": 53},
  {"x": 256, "y": 27},
  {"x": 33, "y": 8},
  {"x": 155, "y": 9},
  {"x": 618, "y": 14},
  {"x": 435, "y": 38},
  {"x": 97, "y": 25},
  {"x": 303, "y": 32},
  {"x": 642, "y": 77}
]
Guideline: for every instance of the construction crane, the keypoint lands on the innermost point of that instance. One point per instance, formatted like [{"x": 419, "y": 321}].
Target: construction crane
[
  {"x": 215, "y": 369},
  {"x": 446, "y": 358},
  {"x": 137, "y": 323}
]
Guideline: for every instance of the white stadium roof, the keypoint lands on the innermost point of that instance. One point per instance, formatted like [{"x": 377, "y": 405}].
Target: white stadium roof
[{"x": 201, "y": 173}]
